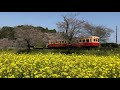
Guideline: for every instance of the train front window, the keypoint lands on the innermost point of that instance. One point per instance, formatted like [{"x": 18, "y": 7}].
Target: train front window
[
  {"x": 98, "y": 40},
  {"x": 87, "y": 40},
  {"x": 94, "y": 40},
  {"x": 84, "y": 40}
]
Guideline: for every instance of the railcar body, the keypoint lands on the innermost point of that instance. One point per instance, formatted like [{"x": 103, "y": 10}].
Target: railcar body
[
  {"x": 58, "y": 44},
  {"x": 91, "y": 41}
]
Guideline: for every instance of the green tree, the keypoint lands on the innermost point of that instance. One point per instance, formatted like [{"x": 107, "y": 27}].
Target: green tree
[{"x": 7, "y": 32}]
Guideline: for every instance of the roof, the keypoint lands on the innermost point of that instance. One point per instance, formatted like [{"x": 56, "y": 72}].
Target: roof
[{"x": 89, "y": 37}]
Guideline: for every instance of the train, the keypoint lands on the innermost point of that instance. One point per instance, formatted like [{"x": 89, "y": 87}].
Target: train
[{"x": 90, "y": 41}]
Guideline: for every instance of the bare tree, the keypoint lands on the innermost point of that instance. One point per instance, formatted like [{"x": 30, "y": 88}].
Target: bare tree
[
  {"x": 28, "y": 35},
  {"x": 100, "y": 30},
  {"x": 71, "y": 26}
]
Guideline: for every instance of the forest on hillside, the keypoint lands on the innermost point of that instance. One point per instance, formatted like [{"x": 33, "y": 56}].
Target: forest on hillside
[{"x": 23, "y": 36}]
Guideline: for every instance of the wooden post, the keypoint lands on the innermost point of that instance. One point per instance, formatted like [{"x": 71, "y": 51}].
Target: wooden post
[{"x": 116, "y": 34}]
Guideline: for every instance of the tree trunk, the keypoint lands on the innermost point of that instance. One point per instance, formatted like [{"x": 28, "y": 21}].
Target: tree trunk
[{"x": 28, "y": 45}]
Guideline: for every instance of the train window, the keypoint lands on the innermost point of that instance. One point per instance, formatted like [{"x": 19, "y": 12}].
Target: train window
[
  {"x": 80, "y": 40},
  {"x": 98, "y": 40},
  {"x": 56, "y": 41},
  {"x": 87, "y": 40},
  {"x": 62, "y": 41},
  {"x": 94, "y": 40},
  {"x": 65, "y": 41},
  {"x": 84, "y": 40}
]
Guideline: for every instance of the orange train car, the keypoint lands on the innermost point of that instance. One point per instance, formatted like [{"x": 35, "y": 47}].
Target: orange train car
[
  {"x": 58, "y": 44},
  {"x": 91, "y": 41}
]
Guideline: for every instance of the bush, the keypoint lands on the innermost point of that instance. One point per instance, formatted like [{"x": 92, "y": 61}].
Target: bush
[{"x": 113, "y": 45}]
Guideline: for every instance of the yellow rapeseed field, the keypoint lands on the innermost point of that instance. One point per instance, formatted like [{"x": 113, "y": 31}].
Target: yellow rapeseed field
[{"x": 51, "y": 65}]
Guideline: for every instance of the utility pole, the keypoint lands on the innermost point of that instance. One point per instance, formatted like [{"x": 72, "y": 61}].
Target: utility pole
[{"x": 116, "y": 34}]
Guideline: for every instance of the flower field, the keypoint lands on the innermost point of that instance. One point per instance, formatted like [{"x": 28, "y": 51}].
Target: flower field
[{"x": 57, "y": 65}]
